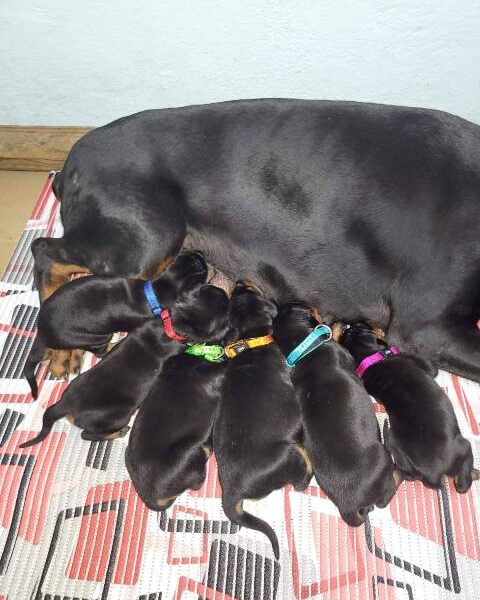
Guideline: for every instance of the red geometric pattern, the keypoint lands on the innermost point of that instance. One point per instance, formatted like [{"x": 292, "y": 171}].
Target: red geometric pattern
[{"x": 72, "y": 526}]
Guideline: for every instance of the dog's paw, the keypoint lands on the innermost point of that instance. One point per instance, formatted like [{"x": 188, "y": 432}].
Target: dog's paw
[{"x": 63, "y": 363}]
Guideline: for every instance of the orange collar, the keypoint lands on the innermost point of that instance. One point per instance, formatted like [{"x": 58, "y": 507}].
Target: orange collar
[{"x": 232, "y": 350}]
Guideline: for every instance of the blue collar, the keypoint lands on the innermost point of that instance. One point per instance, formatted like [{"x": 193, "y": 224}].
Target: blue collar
[
  {"x": 152, "y": 299},
  {"x": 317, "y": 337}
]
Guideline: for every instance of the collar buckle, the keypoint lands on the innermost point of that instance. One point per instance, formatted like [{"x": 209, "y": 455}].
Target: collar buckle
[{"x": 235, "y": 348}]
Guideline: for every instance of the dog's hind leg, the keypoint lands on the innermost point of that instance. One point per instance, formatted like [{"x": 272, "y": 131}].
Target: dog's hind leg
[{"x": 53, "y": 268}]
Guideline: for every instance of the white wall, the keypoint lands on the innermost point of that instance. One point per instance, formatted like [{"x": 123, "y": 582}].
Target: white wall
[{"x": 87, "y": 62}]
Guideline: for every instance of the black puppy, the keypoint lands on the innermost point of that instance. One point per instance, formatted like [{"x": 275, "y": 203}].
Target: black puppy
[
  {"x": 342, "y": 436},
  {"x": 424, "y": 437},
  {"x": 102, "y": 400},
  {"x": 86, "y": 312},
  {"x": 170, "y": 441},
  {"x": 257, "y": 431}
]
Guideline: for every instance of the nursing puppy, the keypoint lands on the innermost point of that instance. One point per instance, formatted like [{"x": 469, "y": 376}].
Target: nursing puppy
[
  {"x": 84, "y": 313},
  {"x": 102, "y": 400},
  {"x": 170, "y": 441},
  {"x": 257, "y": 431},
  {"x": 424, "y": 438},
  {"x": 341, "y": 433}
]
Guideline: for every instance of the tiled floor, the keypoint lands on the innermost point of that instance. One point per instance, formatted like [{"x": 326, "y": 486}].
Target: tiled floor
[{"x": 19, "y": 190}]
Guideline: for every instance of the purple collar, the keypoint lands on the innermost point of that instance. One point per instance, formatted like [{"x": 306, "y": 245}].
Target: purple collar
[{"x": 375, "y": 358}]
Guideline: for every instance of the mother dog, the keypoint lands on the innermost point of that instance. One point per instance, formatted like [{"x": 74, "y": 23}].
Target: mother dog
[{"x": 364, "y": 210}]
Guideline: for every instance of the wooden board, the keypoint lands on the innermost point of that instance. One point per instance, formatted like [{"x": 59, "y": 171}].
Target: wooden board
[{"x": 36, "y": 148}]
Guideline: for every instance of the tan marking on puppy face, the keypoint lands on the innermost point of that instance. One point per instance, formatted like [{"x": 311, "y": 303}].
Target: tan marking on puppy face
[
  {"x": 379, "y": 332},
  {"x": 164, "y": 501},
  {"x": 316, "y": 315},
  {"x": 337, "y": 330},
  {"x": 475, "y": 474},
  {"x": 59, "y": 274},
  {"x": 208, "y": 451},
  {"x": 70, "y": 419},
  {"x": 308, "y": 463}
]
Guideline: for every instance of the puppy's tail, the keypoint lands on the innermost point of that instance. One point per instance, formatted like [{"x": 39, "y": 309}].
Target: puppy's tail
[
  {"x": 50, "y": 416},
  {"x": 233, "y": 508},
  {"x": 37, "y": 354}
]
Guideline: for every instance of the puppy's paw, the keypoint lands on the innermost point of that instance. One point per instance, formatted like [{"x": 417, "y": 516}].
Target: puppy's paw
[{"x": 64, "y": 363}]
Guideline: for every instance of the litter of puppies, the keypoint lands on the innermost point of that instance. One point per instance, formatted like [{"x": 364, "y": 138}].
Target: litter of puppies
[{"x": 269, "y": 389}]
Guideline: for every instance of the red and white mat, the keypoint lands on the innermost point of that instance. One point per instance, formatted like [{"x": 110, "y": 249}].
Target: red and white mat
[{"x": 72, "y": 526}]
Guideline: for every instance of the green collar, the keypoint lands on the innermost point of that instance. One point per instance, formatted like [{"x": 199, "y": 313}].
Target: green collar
[{"x": 211, "y": 353}]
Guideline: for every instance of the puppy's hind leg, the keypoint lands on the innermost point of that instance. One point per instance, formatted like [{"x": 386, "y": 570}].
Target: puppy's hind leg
[
  {"x": 233, "y": 508},
  {"x": 464, "y": 478},
  {"x": 302, "y": 468}
]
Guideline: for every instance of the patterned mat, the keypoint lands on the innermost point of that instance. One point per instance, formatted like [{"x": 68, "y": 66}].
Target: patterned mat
[{"x": 72, "y": 526}]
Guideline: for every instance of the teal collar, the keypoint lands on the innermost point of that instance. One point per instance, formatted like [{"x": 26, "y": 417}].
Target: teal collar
[{"x": 317, "y": 337}]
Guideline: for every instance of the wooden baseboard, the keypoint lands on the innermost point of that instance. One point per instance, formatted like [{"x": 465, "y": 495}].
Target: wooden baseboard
[{"x": 36, "y": 148}]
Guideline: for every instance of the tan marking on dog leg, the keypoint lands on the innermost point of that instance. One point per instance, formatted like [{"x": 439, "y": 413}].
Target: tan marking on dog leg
[
  {"x": 118, "y": 434},
  {"x": 70, "y": 419},
  {"x": 398, "y": 477},
  {"x": 239, "y": 507},
  {"x": 64, "y": 362},
  {"x": 337, "y": 330},
  {"x": 59, "y": 362},
  {"x": 164, "y": 501},
  {"x": 316, "y": 315},
  {"x": 303, "y": 453},
  {"x": 157, "y": 271}
]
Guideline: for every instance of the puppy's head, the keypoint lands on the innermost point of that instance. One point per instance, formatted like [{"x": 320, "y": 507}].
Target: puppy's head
[
  {"x": 359, "y": 338},
  {"x": 187, "y": 269},
  {"x": 201, "y": 313},
  {"x": 249, "y": 309},
  {"x": 292, "y": 323}
]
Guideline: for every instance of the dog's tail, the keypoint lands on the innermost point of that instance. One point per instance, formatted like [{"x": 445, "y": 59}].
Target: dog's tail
[
  {"x": 50, "y": 416},
  {"x": 37, "y": 354},
  {"x": 233, "y": 508}
]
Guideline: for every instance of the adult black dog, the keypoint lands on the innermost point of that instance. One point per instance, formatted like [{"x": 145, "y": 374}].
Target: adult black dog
[
  {"x": 342, "y": 437},
  {"x": 364, "y": 210},
  {"x": 424, "y": 438},
  {"x": 102, "y": 400},
  {"x": 257, "y": 431},
  {"x": 85, "y": 313},
  {"x": 170, "y": 441}
]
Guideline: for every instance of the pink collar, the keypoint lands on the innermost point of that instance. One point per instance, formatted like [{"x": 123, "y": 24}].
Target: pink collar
[{"x": 375, "y": 358}]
